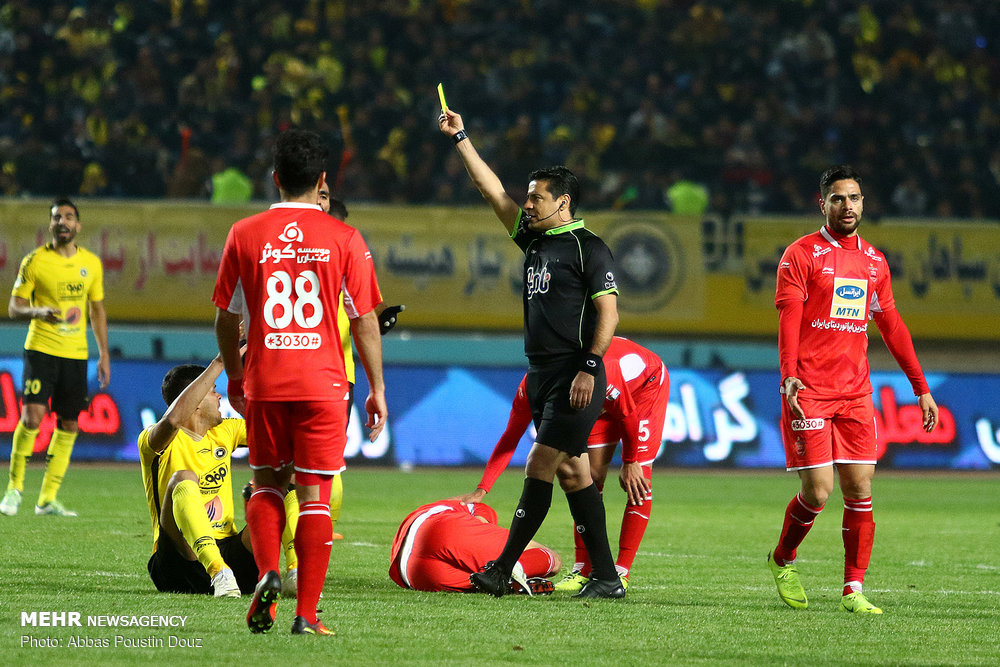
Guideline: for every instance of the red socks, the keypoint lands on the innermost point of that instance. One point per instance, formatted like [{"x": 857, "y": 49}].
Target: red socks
[
  {"x": 859, "y": 534},
  {"x": 580, "y": 560},
  {"x": 634, "y": 523},
  {"x": 537, "y": 562},
  {"x": 266, "y": 519},
  {"x": 313, "y": 541},
  {"x": 799, "y": 517}
]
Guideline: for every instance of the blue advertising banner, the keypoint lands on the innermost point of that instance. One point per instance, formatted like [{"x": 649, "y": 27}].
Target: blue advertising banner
[{"x": 449, "y": 415}]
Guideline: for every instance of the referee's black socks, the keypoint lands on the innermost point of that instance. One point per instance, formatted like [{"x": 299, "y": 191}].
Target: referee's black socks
[
  {"x": 528, "y": 517},
  {"x": 587, "y": 508}
]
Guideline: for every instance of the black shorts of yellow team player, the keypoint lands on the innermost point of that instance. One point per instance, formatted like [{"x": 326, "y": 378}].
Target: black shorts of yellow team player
[
  {"x": 63, "y": 380},
  {"x": 172, "y": 573},
  {"x": 560, "y": 426}
]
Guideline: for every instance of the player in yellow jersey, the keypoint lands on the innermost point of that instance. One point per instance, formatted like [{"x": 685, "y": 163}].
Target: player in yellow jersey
[
  {"x": 187, "y": 474},
  {"x": 57, "y": 286}
]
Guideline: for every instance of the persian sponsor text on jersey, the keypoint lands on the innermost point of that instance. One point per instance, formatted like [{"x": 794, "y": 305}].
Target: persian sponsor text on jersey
[
  {"x": 850, "y": 292},
  {"x": 300, "y": 255},
  {"x": 849, "y": 327}
]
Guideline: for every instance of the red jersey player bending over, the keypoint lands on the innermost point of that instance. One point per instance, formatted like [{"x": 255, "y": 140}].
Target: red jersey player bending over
[
  {"x": 440, "y": 544},
  {"x": 635, "y": 406},
  {"x": 829, "y": 284}
]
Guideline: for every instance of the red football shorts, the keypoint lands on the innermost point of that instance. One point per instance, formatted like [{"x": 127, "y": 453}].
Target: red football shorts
[
  {"x": 651, "y": 409},
  {"x": 448, "y": 547},
  {"x": 834, "y": 431},
  {"x": 310, "y": 434}
]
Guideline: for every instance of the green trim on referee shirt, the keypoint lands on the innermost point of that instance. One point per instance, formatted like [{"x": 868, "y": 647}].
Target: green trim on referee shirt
[
  {"x": 607, "y": 291},
  {"x": 568, "y": 227},
  {"x": 517, "y": 223}
]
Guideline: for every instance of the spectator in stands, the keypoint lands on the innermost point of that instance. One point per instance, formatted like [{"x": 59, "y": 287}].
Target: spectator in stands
[{"x": 740, "y": 103}]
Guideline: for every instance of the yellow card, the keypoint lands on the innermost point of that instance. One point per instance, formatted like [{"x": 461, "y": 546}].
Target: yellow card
[{"x": 444, "y": 105}]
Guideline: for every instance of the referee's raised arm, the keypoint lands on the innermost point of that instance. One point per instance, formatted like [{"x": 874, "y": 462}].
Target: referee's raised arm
[{"x": 505, "y": 208}]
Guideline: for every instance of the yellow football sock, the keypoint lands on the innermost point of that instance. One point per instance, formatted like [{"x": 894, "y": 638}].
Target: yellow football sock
[
  {"x": 56, "y": 462},
  {"x": 336, "y": 499},
  {"x": 191, "y": 518},
  {"x": 288, "y": 535},
  {"x": 20, "y": 452}
]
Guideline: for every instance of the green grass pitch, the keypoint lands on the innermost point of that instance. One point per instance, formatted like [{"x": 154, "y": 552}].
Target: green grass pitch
[{"x": 701, "y": 592}]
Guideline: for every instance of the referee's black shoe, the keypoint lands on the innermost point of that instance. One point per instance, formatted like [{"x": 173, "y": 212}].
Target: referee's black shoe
[
  {"x": 491, "y": 579},
  {"x": 602, "y": 588}
]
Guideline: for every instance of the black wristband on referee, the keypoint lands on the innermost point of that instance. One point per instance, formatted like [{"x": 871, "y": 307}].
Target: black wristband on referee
[
  {"x": 591, "y": 363},
  {"x": 459, "y": 136}
]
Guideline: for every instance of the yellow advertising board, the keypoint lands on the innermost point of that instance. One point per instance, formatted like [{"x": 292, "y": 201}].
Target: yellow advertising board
[{"x": 455, "y": 268}]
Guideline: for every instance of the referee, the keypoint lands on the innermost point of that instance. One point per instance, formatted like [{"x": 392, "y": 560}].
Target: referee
[{"x": 570, "y": 313}]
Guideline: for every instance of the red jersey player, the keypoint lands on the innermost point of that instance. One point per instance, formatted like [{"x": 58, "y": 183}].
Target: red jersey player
[
  {"x": 285, "y": 268},
  {"x": 635, "y": 406},
  {"x": 829, "y": 284},
  {"x": 440, "y": 544}
]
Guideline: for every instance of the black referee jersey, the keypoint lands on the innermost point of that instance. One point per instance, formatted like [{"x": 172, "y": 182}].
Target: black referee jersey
[{"x": 565, "y": 269}]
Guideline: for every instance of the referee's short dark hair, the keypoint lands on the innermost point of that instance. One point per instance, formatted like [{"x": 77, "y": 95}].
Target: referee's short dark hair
[
  {"x": 841, "y": 172},
  {"x": 300, "y": 157},
  {"x": 177, "y": 379},
  {"x": 559, "y": 181}
]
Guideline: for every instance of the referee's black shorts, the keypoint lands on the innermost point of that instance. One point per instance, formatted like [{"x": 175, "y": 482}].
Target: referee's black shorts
[
  {"x": 560, "y": 426},
  {"x": 172, "y": 573}
]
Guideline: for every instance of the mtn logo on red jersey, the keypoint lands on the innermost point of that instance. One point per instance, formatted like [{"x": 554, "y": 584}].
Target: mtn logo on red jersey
[{"x": 849, "y": 299}]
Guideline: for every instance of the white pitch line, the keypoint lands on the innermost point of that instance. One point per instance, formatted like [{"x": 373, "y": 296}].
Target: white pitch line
[{"x": 645, "y": 587}]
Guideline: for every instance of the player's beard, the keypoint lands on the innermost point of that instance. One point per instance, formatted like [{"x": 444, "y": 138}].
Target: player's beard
[
  {"x": 63, "y": 236},
  {"x": 843, "y": 227}
]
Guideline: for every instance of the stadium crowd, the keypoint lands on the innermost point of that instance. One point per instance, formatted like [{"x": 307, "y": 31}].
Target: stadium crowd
[{"x": 661, "y": 104}]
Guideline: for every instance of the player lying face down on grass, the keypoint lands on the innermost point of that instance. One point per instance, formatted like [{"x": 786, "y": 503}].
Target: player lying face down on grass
[{"x": 440, "y": 544}]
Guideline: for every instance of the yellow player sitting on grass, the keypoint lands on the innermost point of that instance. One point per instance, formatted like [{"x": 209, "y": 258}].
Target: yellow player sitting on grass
[{"x": 187, "y": 472}]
